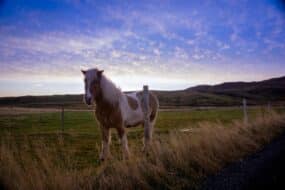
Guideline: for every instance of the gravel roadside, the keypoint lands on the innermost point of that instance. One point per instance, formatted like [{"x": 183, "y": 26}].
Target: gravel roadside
[{"x": 262, "y": 170}]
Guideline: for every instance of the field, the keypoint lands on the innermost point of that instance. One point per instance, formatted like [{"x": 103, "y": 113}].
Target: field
[
  {"x": 82, "y": 134},
  {"x": 37, "y": 139}
]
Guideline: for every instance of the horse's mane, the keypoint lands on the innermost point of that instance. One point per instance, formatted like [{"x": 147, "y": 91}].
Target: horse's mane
[{"x": 110, "y": 91}]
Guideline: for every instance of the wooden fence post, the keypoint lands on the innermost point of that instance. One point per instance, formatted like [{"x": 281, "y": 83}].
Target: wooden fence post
[
  {"x": 62, "y": 118},
  {"x": 245, "y": 118},
  {"x": 40, "y": 119},
  {"x": 269, "y": 107},
  {"x": 11, "y": 119},
  {"x": 145, "y": 109}
]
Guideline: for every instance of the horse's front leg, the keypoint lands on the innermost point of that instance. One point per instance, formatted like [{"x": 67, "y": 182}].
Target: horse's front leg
[
  {"x": 123, "y": 137},
  {"x": 106, "y": 140}
]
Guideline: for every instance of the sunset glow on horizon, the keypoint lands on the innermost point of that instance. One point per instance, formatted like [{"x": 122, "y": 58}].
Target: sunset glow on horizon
[{"x": 168, "y": 45}]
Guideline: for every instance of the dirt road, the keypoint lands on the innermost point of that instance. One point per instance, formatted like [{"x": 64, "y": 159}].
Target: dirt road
[{"x": 262, "y": 170}]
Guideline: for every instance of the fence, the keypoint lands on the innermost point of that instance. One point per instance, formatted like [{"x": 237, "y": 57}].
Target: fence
[
  {"x": 62, "y": 122},
  {"x": 245, "y": 117}
]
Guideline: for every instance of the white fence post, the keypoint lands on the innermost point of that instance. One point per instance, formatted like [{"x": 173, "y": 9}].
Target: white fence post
[
  {"x": 269, "y": 107},
  {"x": 245, "y": 118},
  {"x": 62, "y": 118},
  {"x": 145, "y": 109}
]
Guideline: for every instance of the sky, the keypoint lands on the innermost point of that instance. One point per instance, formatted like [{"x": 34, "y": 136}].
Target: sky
[{"x": 166, "y": 44}]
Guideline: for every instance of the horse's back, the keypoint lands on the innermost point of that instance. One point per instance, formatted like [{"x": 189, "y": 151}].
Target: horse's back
[
  {"x": 133, "y": 108},
  {"x": 153, "y": 103}
]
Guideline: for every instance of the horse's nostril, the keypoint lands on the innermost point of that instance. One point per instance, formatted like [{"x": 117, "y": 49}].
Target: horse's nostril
[{"x": 88, "y": 101}]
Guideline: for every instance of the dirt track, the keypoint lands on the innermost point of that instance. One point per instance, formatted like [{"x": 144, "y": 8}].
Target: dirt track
[
  {"x": 24, "y": 110},
  {"x": 262, "y": 170},
  {"x": 19, "y": 110}
]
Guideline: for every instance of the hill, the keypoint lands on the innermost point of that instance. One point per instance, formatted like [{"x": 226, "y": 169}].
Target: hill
[
  {"x": 230, "y": 93},
  {"x": 225, "y": 94}
]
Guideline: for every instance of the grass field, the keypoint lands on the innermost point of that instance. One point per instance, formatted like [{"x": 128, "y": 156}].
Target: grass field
[
  {"x": 77, "y": 147},
  {"x": 84, "y": 121},
  {"x": 81, "y": 133}
]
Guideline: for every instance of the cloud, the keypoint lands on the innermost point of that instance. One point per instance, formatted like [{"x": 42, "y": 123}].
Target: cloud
[
  {"x": 180, "y": 53},
  {"x": 56, "y": 43},
  {"x": 115, "y": 54},
  {"x": 201, "y": 43},
  {"x": 156, "y": 52},
  {"x": 197, "y": 56},
  {"x": 225, "y": 46}
]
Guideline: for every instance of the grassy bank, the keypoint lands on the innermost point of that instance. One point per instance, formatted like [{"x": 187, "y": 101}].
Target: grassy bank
[
  {"x": 177, "y": 160},
  {"x": 182, "y": 160}
]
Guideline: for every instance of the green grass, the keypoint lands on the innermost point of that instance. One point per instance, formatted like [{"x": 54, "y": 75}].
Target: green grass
[
  {"x": 85, "y": 122},
  {"x": 81, "y": 134},
  {"x": 33, "y": 148}
]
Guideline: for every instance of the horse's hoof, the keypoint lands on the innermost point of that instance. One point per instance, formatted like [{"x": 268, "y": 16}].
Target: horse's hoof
[
  {"x": 101, "y": 160},
  {"x": 144, "y": 149},
  {"x": 126, "y": 157}
]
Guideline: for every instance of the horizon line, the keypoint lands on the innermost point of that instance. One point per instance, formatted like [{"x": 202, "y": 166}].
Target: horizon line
[{"x": 162, "y": 90}]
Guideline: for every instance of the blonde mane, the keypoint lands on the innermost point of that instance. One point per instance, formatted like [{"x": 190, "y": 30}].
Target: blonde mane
[{"x": 110, "y": 91}]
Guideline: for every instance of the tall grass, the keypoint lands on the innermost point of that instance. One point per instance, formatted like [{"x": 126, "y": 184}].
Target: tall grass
[{"x": 177, "y": 160}]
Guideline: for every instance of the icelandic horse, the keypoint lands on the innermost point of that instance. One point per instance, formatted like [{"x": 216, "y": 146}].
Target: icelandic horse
[{"x": 119, "y": 110}]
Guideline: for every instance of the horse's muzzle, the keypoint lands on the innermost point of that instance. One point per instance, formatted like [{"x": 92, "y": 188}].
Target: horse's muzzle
[{"x": 87, "y": 100}]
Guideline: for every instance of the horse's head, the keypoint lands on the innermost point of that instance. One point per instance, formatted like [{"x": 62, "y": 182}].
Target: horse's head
[{"x": 92, "y": 78}]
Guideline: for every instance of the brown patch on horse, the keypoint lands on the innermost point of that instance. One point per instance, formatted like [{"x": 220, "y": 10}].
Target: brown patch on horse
[
  {"x": 108, "y": 114},
  {"x": 153, "y": 103},
  {"x": 132, "y": 103}
]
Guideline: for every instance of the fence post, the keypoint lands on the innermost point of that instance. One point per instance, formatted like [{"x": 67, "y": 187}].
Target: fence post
[
  {"x": 40, "y": 119},
  {"x": 11, "y": 119},
  {"x": 269, "y": 107},
  {"x": 245, "y": 118},
  {"x": 62, "y": 118},
  {"x": 145, "y": 109}
]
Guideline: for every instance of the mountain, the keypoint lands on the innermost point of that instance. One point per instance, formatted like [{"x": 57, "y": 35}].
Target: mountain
[{"x": 225, "y": 94}]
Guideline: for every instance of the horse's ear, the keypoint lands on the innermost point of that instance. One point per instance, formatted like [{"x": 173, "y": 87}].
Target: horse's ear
[
  {"x": 100, "y": 72},
  {"x": 84, "y": 72}
]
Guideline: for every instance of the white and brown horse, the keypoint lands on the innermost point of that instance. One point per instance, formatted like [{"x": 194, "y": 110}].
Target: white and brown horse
[{"x": 115, "y": 109}]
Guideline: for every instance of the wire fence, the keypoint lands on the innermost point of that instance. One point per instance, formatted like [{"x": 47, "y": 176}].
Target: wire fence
[{"x": 62, "y": 117}]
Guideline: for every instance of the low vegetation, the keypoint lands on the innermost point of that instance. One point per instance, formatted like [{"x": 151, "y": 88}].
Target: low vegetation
[{"x": 180, "y": 158}]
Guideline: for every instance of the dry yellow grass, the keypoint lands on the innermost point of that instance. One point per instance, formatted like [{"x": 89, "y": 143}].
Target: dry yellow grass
[{"x": 177, "y": 160}]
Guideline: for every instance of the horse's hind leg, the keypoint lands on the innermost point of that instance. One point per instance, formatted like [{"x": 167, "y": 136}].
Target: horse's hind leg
[
  {"x": 106, "y": 140},
  {"x": 123, "y": 137}
]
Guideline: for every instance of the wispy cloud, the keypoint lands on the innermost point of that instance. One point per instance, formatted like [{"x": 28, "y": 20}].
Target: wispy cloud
[{"x": 175, "y": 44}]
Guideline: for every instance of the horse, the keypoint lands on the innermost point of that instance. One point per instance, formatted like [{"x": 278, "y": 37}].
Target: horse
[{"x": 119, "y": 110}]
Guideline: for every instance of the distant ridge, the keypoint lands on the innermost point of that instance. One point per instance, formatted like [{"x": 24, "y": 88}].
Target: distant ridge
[
  {"x": 274, "y": 82},
  {"x": 225, "y": 94}
]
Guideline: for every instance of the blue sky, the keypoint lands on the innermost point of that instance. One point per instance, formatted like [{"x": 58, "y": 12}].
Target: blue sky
[{"x": 166, "y": 44}]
